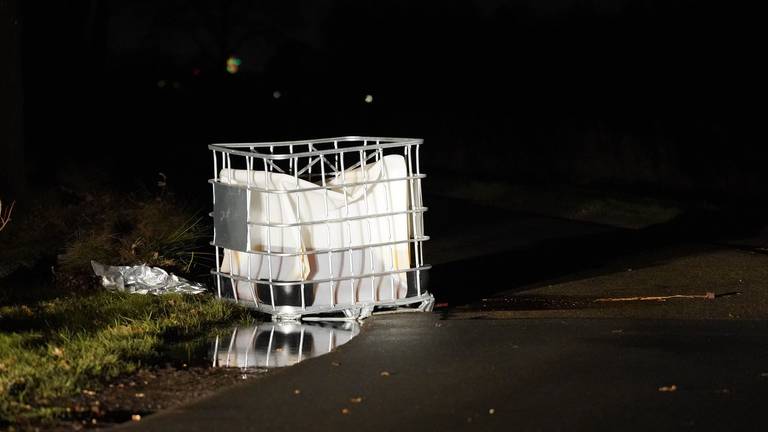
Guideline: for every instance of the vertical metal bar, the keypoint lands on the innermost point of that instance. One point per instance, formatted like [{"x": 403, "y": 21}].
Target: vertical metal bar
[
  {"x": 228, "y": 166},
  {"x": 349, "y": 230},
  {"x": 336, "y": 157},
  {"x": 218, "y": 262},
  {"x": 249, "y": 246},
  {"x": 218, "y": 272},
  {"x": 328, "y": 226},
  {"x": 368, "y": 220},
  {"x": 250, "y": 345},
  {"x": 269, "y": 347},
  {"x": 301, "y": 344},
  {"x": 291, "y": 165},
  {"x": 215, "y": 166},
  {"x": 421, "y": 204},
  {"x": 231, "y": 344},
  {"x": 299, "y": 246},
  {"x": 230, "y": 177},
  {"x": 269, "y": 234},
  {"x": 412, "y": 201},
  {"x": 390, "y": 219},
  {"x": 215, "y": 351},
  {"x": 309, "y": 149}
]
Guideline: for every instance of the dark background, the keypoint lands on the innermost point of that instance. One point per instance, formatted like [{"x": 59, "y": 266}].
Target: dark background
[{"x": 654, "y": 97}]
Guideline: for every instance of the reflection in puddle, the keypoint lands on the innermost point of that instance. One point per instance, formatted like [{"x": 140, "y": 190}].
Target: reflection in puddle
[{"x": 279, "y": 344}]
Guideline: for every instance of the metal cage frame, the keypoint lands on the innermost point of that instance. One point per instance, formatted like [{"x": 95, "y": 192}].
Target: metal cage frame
[{"x": 333, "y": 159}]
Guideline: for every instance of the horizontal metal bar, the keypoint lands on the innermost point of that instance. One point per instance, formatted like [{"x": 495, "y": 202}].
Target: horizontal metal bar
[
  {"x": 341, "y": 139},
  {"x": 332, "y": 250},
  {"x": 338, "y": 220},
  {"x": 318, "y": 187},
  {"x": 312, "y": 310},
  {"x": 285, "y": 156},
  {"x": 319, "y": 281}
]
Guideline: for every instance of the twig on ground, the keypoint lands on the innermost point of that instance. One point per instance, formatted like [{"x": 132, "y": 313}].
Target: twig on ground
[
  {"x": 708, "y": 296},
  {"x": 5, "y": 216}
]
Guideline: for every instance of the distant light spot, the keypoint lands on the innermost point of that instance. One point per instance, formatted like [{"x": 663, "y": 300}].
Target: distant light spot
[
  {"x": 368, "y": 98},
  {"x": 233, "y": 64},
  {"x": 161, "y": 83},
  {"x": 276, "y": 94}
]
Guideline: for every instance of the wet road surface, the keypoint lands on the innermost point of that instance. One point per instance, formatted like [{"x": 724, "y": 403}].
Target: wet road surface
[
  {"x": 422, "y": 372},
  {"x": 521, "y": 341}
]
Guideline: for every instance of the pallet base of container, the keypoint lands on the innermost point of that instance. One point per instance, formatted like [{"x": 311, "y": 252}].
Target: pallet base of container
[{"x": 423, "y": 303}]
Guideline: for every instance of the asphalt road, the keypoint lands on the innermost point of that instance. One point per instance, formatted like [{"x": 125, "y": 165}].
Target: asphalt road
[
  {"x": 523, "y": 342},
  {"x": 470, "y": 373}
]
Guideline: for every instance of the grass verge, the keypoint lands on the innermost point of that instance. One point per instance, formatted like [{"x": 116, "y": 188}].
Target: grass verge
[{"x": 58, "y": 348}]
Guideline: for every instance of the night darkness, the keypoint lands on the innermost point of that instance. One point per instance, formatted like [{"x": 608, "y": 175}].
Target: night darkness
[
  {"x": 597, "y": 218},
  {"x": 648, "y": 96}
]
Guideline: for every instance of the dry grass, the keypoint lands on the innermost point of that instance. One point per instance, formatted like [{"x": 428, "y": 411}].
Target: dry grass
[
  {"x": 154, "y": 232},
  {"x": 70, "y": 229}
]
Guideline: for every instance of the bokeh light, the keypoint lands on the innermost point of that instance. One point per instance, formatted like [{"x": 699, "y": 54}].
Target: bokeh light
[
  {"x": 233, "y": 64},
  {"x": 368, "y": 98},
  {"x": 276, "y": 94}
]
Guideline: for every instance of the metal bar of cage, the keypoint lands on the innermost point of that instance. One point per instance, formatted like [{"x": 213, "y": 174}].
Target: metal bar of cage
[
  {"x": 319, "y": 187},
  {"x": 363, "y": 242}
]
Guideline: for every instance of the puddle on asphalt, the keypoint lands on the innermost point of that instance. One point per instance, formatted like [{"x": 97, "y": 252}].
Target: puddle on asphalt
[{"x": 278, "y": 344}]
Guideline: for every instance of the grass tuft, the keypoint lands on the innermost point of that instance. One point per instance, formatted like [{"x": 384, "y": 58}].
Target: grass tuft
[
  {"x": 58, "y": 348},
  {"x": 153, "y": 232}
]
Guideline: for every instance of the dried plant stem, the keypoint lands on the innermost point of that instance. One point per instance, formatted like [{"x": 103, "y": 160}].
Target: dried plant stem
[
  {"x": 5, "y": 216},
  {"x": 708, "y": 296}
]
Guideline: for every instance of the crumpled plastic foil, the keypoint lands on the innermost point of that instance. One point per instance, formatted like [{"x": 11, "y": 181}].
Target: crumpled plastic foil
[{"x": 142, "y": 279}]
